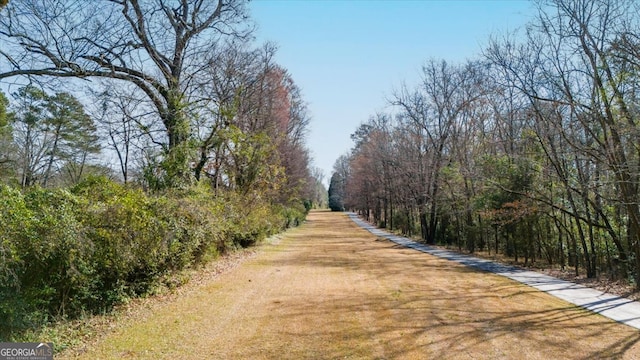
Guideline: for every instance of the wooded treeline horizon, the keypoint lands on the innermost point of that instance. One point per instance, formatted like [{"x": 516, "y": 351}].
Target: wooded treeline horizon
[
  {"x": 207, "y": 131},
  {"x": 531, "y": 150},
  {"x": 173, "y": 94}
]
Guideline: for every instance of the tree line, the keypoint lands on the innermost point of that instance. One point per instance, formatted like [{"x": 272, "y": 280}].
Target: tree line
[
  {"x": 137, "y": 139},
  {"x": 177, "y": 90},
  {"x": 531, "y": 150}
]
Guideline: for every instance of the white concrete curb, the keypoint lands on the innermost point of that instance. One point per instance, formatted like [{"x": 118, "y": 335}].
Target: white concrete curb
[{"x": 614, "y": 307}]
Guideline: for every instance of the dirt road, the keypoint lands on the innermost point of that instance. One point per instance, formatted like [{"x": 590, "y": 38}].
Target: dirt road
[{"x": 330, "y": 290}]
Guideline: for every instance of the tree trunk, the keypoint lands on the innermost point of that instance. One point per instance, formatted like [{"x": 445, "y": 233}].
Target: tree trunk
[
  {"x": 424, "y": 226},
  {"x": 178, "y": 154}
]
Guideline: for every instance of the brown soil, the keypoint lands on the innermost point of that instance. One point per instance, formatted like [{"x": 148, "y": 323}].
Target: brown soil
[{"x": 331, "y": 290}]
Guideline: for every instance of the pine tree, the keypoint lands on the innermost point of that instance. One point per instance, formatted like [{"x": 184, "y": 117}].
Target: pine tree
[{"x": 336, "y": 192}]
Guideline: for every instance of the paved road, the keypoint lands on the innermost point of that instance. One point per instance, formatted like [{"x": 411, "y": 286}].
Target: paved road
[{"x": 614, "y": 307}]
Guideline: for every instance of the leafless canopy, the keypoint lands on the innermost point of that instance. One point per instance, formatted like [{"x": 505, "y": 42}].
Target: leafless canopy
[{"x": 158, "y": 45}]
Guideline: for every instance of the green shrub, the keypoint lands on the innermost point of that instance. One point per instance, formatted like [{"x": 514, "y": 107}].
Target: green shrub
[
  {"x": 293, "y": 215},
  {"x": 60, "y": 270},
  {"x": 130, "y": 240},
  {"x": 64, "y": 253},
  {"x": 191, "y": 231},
  {"x": 15, "y": 224},
  {"x": 248, "y": 219},
  {"x": 48, "y": 272}
]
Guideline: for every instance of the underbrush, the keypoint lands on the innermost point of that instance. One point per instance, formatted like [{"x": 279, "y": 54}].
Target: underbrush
[
  {"x": 606, "y": 281},
  {"x": 69, "y": 253}
]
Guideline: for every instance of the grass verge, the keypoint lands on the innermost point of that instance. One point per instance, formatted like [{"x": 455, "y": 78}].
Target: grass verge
[{"x": 331, "y": 290}]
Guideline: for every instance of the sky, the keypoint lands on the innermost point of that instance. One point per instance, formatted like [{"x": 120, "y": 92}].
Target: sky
[{"x": 348, "y": 56}]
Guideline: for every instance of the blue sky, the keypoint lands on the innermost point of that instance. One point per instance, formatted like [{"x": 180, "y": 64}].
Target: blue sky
[{"x": 349, "y": 56}]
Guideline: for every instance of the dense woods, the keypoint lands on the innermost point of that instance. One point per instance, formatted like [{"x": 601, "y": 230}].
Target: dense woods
[
  {"x": 531, "y": 150},
  {"x": 137, "y": 139}
]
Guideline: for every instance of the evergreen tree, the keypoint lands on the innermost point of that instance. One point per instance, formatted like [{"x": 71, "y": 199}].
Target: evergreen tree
[
  {"x": 49, "y": 132},
  {"x": 336, "y": 192},
  {"x": 6, "y": 146}
]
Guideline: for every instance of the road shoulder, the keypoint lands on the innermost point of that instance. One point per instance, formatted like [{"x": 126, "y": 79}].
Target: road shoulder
[{"x": 617, "y": 308}]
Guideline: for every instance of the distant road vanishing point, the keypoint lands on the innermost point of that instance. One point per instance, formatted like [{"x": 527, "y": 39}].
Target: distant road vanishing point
[{"x": 332, "y": 290}]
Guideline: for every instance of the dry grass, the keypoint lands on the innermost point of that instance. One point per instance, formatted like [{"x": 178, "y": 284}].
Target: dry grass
[
  {"x": 330, "y": 290},
  {"x": 602, "y": 282}
]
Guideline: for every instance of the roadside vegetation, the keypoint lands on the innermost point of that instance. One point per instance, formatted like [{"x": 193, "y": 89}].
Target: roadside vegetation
[
  {"x": 529, "y": 151},
  {"x": 69, "y": 253},
  {"x": 148, "y": 139},
  {"x": 332, "y": 290}
]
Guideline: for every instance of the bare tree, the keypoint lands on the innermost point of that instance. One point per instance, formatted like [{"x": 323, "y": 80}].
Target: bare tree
[
  {"x": 434, "y": 108},
  {"x": 124, "y": 124},
  {"x": 158, "y": 46},
  {"x": 579, "y": 91}
]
